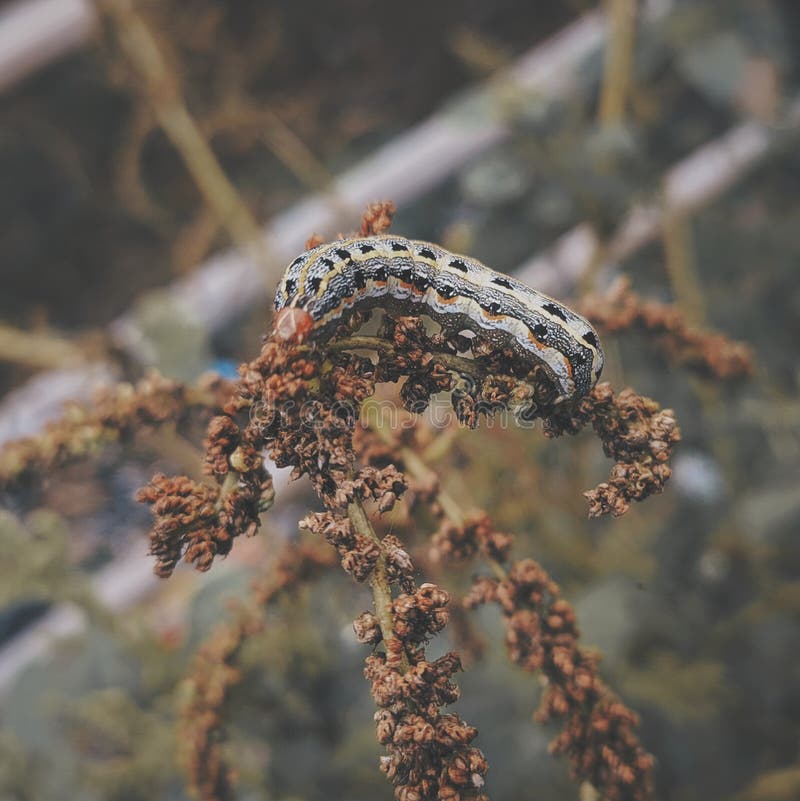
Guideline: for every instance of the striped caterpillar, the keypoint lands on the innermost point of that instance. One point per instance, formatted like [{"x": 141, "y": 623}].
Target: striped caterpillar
[{"x": 323, "y": 285}]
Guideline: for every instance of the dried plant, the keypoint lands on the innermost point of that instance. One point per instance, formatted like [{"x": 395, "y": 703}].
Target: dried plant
[
  {"x": 300, "y": 406},
  {"x": 214, "y": 674},
  {"x": 117, "y": 414},
  {"x": 708, "y": 353},
  {"x": 597, "y": 729}
]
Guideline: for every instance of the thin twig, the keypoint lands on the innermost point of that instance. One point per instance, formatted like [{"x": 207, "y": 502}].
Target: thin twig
[
  {"x": 619, "y": 61},
  {"x": 680, "y": 266},
  {"x": 37, "y": 349},
  {"x": 458, "y": 364},
  {"x": 162, "y": 90}
]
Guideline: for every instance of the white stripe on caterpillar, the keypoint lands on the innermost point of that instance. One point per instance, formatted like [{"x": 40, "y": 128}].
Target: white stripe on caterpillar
[{"x": 411, "y": 277}]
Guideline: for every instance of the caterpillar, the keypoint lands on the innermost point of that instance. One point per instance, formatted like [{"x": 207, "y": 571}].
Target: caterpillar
[{"x": 324, "y": 284}]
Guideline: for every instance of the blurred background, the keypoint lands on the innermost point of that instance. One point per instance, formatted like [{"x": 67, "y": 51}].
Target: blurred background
[{"x": 145, "y": 146}]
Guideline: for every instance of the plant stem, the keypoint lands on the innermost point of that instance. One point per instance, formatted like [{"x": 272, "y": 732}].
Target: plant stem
[
  {"x": 379, "y": 581},
  {"x": 618, "y": 62},
  {"x": 417, "y": 468},
  {"x": 37, "y": 349},
  {"x": 458, "y": 364}
]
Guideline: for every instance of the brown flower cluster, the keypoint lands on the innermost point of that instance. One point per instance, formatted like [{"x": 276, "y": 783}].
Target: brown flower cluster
[
  {"x": 597, "y": 730},
  {"x": 488, "y": 382},
  {"x": 215, "y": 673},
  {"x": 705, "y": 352},
  {"x": 377, "y": 218},
  {"x": 430, "y": 756},
  {"x": 117, "y": 414},
  {"x": 301, "y": 415},
  {"x": 303, "y": 409},
  {"x": 373, "y": 451},
  {"x": 198, "y": 522},
  {"x": 413, "y": 355},
  {"x": 635, "y": 432},
  {"x": 457, "y": 541},
  {"x": 359, "y": 552},
  {"x": 430, "y": 753}
]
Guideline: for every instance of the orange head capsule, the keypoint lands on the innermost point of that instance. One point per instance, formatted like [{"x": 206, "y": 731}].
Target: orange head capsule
[{"x": 292, "y": 325}]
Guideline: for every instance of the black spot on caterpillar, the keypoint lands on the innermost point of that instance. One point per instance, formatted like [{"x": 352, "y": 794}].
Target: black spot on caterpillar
[
  {"x": 359, "y": 279},
  {"x": 412, "y": 277},
  {"x": 555, "y": 310}
]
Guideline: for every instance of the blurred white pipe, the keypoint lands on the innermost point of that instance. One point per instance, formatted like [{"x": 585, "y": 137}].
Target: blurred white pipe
[
  {"x": 27, "y": 408},
  {"x": 34, "y": 32},
  {"x": 690, "y": 184}
]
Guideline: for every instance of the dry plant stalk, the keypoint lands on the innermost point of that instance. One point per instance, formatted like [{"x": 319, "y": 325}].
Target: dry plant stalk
[
  {"x": 214, "y": 674},
  {"x": 117, "y": 414},
  {"x": 597, "y": 730},
  {"x": 160, "y": 84},
  {"x": 38, "y": 349},
  {"x": 617, "y": 72},
  {"x": 707, "y": 353}
]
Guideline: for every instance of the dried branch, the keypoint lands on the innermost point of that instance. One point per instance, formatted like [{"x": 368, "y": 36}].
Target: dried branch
[
  {"x": 160, "y": 85},
  {"x": 215, "y": 673},
  {"x": 597, "y": 729},
  {"x": 618, "y": 69},
  {"x": 635, "y": 432},
  {"x": 37, "y": 349},
  {"x": 707, "y": 353},
  {"x": 117, "y": 415}
]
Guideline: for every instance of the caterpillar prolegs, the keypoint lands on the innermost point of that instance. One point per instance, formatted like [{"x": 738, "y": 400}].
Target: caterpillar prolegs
[{"x": 411, "y": 277}]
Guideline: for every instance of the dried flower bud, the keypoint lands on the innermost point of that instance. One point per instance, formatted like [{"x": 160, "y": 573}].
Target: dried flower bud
[{"x": 367, "y": 629}]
